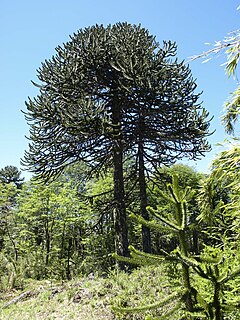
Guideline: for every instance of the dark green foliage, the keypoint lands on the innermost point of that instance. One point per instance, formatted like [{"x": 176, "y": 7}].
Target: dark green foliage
[
  {"x": 109, "y": 94},
  {"x": 97, "y": 70},
  {"x": 10, "y": 174}
]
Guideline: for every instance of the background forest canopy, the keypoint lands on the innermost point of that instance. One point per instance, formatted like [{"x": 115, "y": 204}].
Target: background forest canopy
[{"x": 115, "y": 113}]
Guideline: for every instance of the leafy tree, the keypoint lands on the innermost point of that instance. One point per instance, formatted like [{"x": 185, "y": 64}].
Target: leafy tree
[
  {"x": 112, "y": 93},
  {"x": 10, "y": 185},
  {"x": 50, "y": 228},
  {"x": 8, "y": 193},
  {"x": 10, "y": 174}
]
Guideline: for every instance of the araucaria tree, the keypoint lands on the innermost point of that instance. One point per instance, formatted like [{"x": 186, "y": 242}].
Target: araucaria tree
[
  {"x": 10, "y": 174},
  {"x": 110, "y": 94}
]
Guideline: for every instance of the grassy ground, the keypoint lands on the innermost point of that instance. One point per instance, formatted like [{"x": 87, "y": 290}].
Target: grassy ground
[{"x": 89, "y": 298}]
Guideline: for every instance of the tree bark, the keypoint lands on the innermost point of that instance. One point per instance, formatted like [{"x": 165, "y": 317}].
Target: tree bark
[
  {"x": 185, "y": 271},
  {"x": 146, "y": 236},
  {"x": 216, "y": 301},
  {"x": 121, "y": 228}
]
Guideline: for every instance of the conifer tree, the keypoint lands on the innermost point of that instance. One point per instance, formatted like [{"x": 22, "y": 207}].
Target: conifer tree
[
  {"x": 10, "y": 174},
  {"x": 110, "y": 93},
  {"x": 216, "y": 267}
]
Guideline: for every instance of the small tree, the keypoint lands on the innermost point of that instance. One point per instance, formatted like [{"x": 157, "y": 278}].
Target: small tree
[
  {"x": 205, "y": 278},
  {"x": 49, "y": 228},
  {"x": 10, "y": 174},
  {"x": 188, "y": 177}
]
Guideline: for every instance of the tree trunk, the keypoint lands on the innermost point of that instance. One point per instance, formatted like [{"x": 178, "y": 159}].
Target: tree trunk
[
  {"x": 185, "y": 271},
  {"x": 216, "y": 301},
  {"x": 146, "y": 236},
  {"x": 47, "y": 235},
  {"x": 68, "y": 269},
  {"x": 121, "y": 228}
]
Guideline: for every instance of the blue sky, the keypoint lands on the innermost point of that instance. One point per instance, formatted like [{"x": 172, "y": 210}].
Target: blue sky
[{"x": 31, "y": 30}]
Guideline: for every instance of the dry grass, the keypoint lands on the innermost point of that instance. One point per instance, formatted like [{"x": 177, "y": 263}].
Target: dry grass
[{"x": 63, "y": 301}]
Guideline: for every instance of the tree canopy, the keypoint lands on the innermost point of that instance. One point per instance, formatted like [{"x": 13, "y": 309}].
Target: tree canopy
[{"x": 72, "y": 118}]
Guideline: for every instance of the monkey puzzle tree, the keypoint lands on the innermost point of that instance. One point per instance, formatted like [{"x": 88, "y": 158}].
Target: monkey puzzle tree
[
  {"x": 111, "y": 93},
  {"x": 10, "y": 174}
]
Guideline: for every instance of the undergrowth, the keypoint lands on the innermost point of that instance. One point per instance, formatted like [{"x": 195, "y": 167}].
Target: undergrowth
[{"x": 88, "y": 298}]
